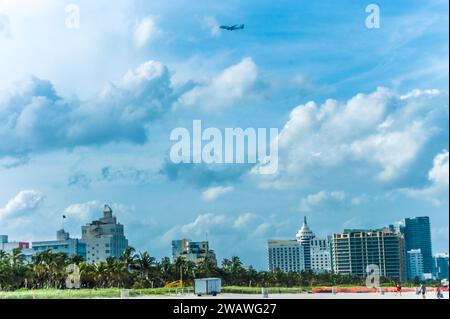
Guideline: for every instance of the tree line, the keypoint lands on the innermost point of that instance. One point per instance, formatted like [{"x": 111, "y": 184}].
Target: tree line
[{"x": 141, "y": 270}]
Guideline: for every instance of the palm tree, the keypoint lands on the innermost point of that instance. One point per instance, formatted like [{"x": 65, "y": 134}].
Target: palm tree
[
  {"x": 208, "y": 267},
  {"x": 145, "y": 270},
  {"x": 129, "y": 257}
]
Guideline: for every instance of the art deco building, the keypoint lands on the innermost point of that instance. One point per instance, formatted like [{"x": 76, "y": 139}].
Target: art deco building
[{"x": 104, "y": 237}]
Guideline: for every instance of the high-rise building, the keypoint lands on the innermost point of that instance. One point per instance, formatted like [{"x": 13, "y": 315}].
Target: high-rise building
[
  {"x": 104, "y": 237},
  {"x": 441, "y": 266},
  {"x": 192, "y": 250},
  {"x": 320, "y": 255},
  {"x": 306, "y": 253},
  {"x": 414, "y": 264},
  {"x": 354, "y": 250},
  {"x": 286, "y": 255},
  {"x": 62, "y": 244},
  {"x": 304, "y": 237},
  {"x": 418, "y": 236}
]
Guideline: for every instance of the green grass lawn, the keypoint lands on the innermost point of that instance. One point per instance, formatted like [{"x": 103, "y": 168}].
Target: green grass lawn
[{"x": 81, "y": 293}]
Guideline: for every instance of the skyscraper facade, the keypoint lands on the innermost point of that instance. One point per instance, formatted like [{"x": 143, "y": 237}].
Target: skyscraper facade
[
  {"x": 320, "y": 255},
  {"x": 286, "y": 255},
  {"x": 354, "y": 250},
  {"x": 305, "y": 253},
  {"x": 441, "y": 266},
  {"x": 304, "y": 237},
  {"x": 104, "y": 237},
  {"x": 418, "y": 236},
  {"x": 414, "y": 260}
]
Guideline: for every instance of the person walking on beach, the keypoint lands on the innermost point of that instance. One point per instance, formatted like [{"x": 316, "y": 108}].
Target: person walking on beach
[
  {"x": 423, "y": 291},
  {"x": 398, "y": 289},
  {"x": 438, "y": 292}
]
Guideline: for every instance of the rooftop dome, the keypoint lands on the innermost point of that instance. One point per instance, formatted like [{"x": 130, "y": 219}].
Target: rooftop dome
[{"x": 305, "y": 233}]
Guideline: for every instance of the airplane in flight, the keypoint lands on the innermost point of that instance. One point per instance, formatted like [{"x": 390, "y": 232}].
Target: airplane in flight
[{"x": 232, "y": 27}]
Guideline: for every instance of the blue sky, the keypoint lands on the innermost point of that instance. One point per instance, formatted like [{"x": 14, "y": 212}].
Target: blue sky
[{"x": 86, "y": 114}]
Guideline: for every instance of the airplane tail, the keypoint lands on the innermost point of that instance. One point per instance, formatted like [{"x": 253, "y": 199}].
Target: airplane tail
[{"x": 242, "y": 26}]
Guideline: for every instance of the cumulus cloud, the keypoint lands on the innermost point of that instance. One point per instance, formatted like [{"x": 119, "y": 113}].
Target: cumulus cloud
[
  {"x": 212, "y": 193},
  {"x": 219, "y": 225},
  {"x": 438, "y": 176},
  {"x": 211, "y": 24},
  {"x": 312, "y": 200},
  {"x": 83, "y": 211},
  {"x": 262, "y": 229},
  {"x": 380, "y": 134},
  {"x": 233, "y": 84},
  {"x": 86, "y": 211},
  {"x": 34, "y": 117},
  {"x": 145, "y": 31},
  {"x": 25, "y": 201},
  {"x": 199, "y": 227},
  {"x": 244, "y": 219}
]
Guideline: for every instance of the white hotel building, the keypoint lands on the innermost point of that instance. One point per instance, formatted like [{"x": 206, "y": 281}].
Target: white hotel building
[{"x": 306, "y": 253}]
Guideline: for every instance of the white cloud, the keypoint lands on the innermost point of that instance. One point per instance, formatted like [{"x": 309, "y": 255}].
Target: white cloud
[
  {"x": 33, "y": 117},
  {"x": 312, "y": 200},
  {"x": 199, "y": 227},
  {"x": 23, "y": 202},
  {"x": 233, "y": 84},
  {"x": 380, "y": 134},
  {"x": 262, "y": 229},
  {"x": 212, "y": 193},
  {"x": 145, "y": 32},
  {"x": 203, "y": 223},
  {"x": 211, "y": 24},
  {"x": 417, "y": 93},
  {"x": 392, "y": 150},
  {"x": 243, "y": 220},
  {"x": 217, "y": 225},
  {"x": 438, "y": 176},
  {"x": 361, "y": 199},
  {"x": 83, "y": 211}
]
